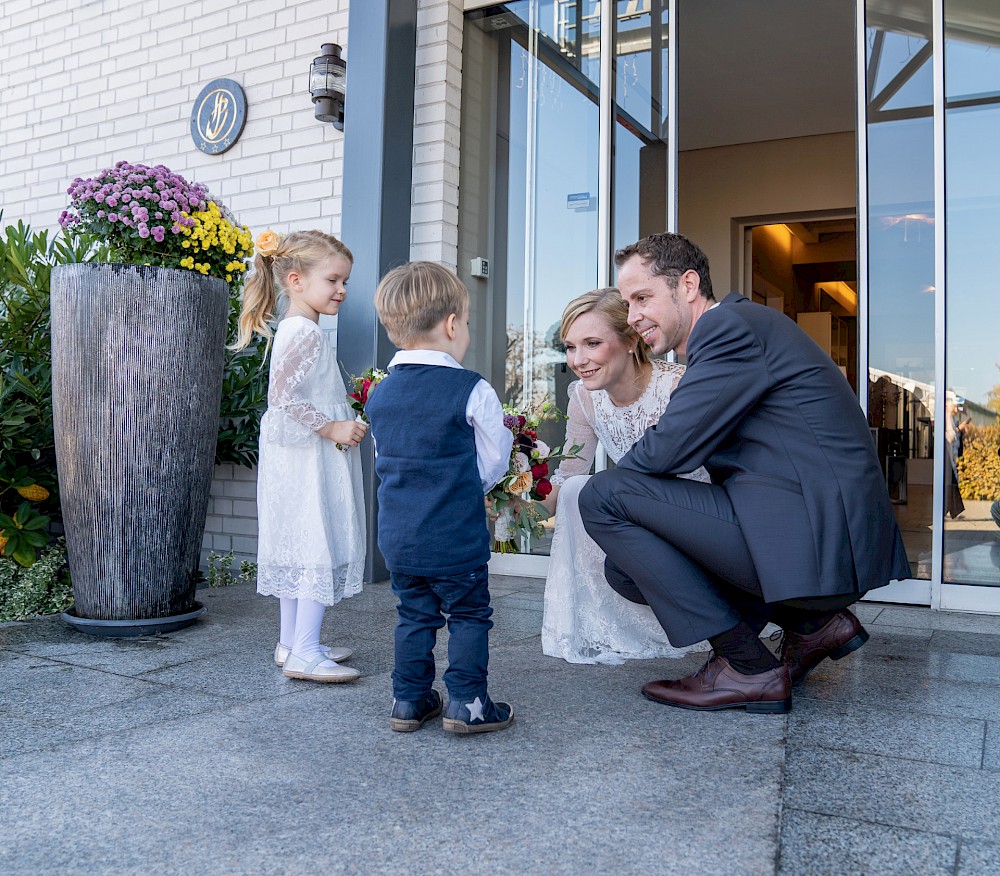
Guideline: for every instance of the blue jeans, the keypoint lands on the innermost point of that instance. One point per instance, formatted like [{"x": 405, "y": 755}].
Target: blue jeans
[{"x": 424, "y": 600}]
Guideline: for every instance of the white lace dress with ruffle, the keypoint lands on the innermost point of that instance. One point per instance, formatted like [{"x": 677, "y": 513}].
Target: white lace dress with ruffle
[
  {"x": 310, "y": 502},
  {"x": 585, "y": 621}
]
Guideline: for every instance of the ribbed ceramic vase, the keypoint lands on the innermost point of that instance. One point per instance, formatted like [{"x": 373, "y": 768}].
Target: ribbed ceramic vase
[{"x": 137, "y": 361}]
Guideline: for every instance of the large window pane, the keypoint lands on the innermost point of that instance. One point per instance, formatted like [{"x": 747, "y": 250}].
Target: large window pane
[
  {"x": 641, "y": 203},
  {"x": 901, "y": 228},
  {"x": 545, "y": 227},
  {"x": 972, "y": 355}
]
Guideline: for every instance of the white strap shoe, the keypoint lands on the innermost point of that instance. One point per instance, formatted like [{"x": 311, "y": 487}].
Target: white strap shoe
[
  {"x": 318, "y": 669},
  {"x": 337, "y": 655}
]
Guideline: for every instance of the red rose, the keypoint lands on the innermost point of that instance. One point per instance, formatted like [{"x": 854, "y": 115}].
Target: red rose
[
  {"x": 540, "y": 470},
  {"x": 543, "y": 487}
]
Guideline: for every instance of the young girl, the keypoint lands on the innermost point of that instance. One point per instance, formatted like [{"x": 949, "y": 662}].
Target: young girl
[{"x": 310, "y": 505}]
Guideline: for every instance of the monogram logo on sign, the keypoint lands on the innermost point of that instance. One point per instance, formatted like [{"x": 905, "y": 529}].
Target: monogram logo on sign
[{"x": 218, "y": 116}]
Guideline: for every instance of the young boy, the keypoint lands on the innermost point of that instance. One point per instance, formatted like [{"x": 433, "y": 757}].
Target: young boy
[{"x": 440, "y": 446}]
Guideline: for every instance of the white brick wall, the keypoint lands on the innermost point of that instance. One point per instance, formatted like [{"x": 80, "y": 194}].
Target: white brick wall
[
  {"x": 437, "y": 115},
  {"x": 86, "y": 84},
  {"x": 232, "y": 514},
  {"x": 120, "y": 85}
]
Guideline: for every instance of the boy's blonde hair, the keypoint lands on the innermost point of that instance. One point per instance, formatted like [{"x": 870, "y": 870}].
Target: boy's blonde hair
[
  {"x": 300, "y": 251},
  {"x": 609, "y": 304},
  {"x": 413, "y": 298}
]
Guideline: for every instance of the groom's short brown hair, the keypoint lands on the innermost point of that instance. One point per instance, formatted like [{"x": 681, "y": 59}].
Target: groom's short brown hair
[{"x": 669, "y": 255}]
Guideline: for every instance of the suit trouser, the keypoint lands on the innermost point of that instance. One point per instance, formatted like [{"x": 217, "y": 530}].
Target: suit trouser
[{"x": 676, "y": 545}]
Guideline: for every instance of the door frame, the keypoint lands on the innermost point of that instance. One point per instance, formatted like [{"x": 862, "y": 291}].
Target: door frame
[{"x": 909, "y": 591}]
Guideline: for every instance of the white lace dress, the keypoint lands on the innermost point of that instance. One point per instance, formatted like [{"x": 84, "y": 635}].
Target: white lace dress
[
  {"x": 310, "y": 503},
  {"x": 585, "y": 621}
]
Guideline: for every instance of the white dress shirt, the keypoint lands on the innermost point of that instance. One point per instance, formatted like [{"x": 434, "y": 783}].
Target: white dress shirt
[{"x": 483, "y": 412}]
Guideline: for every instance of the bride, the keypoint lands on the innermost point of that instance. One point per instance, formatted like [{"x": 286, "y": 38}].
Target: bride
[{"x": 619, "y": 395}]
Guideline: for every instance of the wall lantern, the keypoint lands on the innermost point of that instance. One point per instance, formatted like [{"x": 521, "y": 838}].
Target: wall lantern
[{"x": 328, "y": 85}]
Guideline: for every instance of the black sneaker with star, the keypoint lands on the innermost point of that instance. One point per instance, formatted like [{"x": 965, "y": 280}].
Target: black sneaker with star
[{"x": 478, "y": 716}]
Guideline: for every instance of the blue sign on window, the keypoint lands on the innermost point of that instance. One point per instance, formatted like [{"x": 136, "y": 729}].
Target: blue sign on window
[{"x": 578, "y": 201}]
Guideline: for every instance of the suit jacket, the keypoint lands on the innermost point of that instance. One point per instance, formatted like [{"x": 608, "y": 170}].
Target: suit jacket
[{"x": 771, "y": 417}]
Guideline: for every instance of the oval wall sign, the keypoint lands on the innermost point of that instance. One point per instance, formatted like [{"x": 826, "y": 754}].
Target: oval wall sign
[{"x": 218, "y": 116}]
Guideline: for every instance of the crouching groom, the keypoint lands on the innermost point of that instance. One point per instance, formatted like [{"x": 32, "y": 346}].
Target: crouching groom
[{"x": 796, "y": 524}]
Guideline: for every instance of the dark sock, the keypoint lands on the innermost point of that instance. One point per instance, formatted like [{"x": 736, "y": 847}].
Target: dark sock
[
  {"x": 744, "y": 651},
  {"x": 804, "y": 621}
]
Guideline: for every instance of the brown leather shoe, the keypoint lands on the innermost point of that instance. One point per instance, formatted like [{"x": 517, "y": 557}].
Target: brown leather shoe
[
  {"x": 837, "y": 638},
  {"x": 718, "y": 686}
]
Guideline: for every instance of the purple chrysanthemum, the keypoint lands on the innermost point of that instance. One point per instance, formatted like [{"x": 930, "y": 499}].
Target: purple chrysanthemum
[{"x": 144, "y": 214}]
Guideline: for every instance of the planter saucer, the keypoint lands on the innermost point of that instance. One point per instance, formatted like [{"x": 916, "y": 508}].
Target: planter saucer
[{"x": 116, "y": 629}]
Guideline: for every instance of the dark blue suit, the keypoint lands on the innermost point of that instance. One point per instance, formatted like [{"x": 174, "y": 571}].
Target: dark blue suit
[{"x": 798, "y": 507}]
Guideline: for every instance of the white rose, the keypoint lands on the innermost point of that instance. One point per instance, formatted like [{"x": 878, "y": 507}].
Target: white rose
[{"x": 522, "y": 462}]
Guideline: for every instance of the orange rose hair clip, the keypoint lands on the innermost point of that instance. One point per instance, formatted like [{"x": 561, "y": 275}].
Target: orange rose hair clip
[{"x": 267, "y": 243}]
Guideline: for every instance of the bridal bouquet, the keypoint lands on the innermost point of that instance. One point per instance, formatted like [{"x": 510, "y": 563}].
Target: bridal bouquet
[{"x": 511, "y": 501}]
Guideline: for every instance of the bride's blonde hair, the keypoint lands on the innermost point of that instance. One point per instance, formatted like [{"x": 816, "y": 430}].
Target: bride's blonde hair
[{"x": 609, "y": 304}]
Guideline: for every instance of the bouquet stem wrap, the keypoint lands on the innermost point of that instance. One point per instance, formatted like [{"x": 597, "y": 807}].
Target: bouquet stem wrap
[{"x": 504, "y": 534}]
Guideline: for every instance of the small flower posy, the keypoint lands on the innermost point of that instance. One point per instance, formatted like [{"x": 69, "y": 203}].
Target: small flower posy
[
  {"x": 361, "y": 386},
  {"x": 152, "y": 216},
  {"x": 512, "y": 500}
]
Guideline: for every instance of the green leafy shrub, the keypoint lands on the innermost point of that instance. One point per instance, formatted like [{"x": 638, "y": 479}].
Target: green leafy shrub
[
  {"x": 244, "y": 394},
  {"x": 220, "y": 570},
  {"x": 29, "y": 498},
  {"x": 42, "y": 588},
  {"x": 979, "y": 465}
]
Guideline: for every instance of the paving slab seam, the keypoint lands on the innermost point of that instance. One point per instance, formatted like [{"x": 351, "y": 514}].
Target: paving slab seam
[
  {"x": 781, "y": 796},
  {"x": 848, "y": 822},
  {"x": 926, "y": 714},
  {"x": 139, "y": 677},
  {"x": 874, "y": 618},
  {"x": 894, "y": 757},
  {"x": 873, "y": 710},
  {"x": 886, "y": 824}
]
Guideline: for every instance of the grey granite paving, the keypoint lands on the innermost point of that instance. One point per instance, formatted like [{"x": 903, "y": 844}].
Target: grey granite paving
[
  {"x": 894, "y": 791},
  {"x": 978, "y": 858},
  {"x": 191, "y": 753},
  {"x": 823, "y": 845},
  {"x": 890, "y": 732}
]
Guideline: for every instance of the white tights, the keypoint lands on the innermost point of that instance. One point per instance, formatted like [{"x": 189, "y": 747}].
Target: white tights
[{"x": 301, "y": 620}]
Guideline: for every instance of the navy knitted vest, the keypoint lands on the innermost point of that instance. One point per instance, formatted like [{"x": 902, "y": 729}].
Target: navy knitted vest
[{"x": 431, "y": 514}]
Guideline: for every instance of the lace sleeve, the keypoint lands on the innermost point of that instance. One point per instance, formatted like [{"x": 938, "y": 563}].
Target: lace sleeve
[
  {"x": 578, "y": 431},
  {"x": 288, "y": 372}
]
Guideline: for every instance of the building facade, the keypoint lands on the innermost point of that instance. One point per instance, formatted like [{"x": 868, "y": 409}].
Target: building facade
[{"x": 834, "y": 159}]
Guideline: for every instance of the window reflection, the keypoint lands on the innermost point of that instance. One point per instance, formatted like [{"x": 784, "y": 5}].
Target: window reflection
[
  {"x": 972, "y": 353},
  {"x": 901, "y": 228}
]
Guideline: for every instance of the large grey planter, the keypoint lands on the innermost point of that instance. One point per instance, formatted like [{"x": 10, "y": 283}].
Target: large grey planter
[{"x": 137, "y": 361}]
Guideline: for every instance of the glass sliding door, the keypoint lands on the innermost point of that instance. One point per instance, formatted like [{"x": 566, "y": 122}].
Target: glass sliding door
[
  {"x": 642, "y": 191},
  {"x": 901, "y": 227},
  {"x": 551, "y": 181},
  {"x": 546, "y": 207},
  {"x": 971, "y": 547}
]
